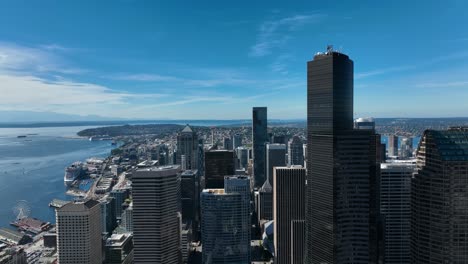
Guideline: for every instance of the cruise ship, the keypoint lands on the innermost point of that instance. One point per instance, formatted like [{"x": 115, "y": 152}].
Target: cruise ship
[{"x": 72, "y": 172}]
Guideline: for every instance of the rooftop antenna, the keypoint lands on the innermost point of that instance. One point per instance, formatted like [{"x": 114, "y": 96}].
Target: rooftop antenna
[{"x": 329, "y": 48}]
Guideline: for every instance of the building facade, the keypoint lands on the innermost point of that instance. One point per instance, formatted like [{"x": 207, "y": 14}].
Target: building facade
[
  {"x": 190, "y": 193},
  {"x": 259, "y": 139},
  {"x": 296, "y": 151},
  {"x": 265, "y": 202},
  {"x": 275, "y": 157},
  {"x": 236, "y": 141},
  {"x": 288, "y": 206},
  {"x": 187, "y": 145},
  {"x": 218, "y": 163},
  {"x": 342, "y": 173},
  {"x": 241, "y": 185},
  {"x": 119, "y": 249},
  {"x": 223, "y": 234},
  {"x": 79, "y": 233},
  {"x": 439, "y": 198},
  {"x": 392, "y": 145},
  {"x": 395, "y": 208},
  {"x": 156, "y": 215},
  {"x": 364, "y": 123},
  {"x": 242, "y": 157}
]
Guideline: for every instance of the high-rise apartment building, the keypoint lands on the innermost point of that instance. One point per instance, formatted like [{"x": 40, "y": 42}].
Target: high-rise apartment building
[
  {"x": 259, "y": 139},
  {"x": 392, "y": 145},
  {"x": 296, "y": 151},
  {"x": 288, "y": 206},
  {"x": 187, "y": 145},
  {"x": 395, "y": 208},
  {"x": 439, "y": 198},
  {"x": 156, "y": 215},
  {"x": 223, "y": 231},
  {"x": 218, "y": 163},
  {"x": 79, "y": 233},
  {"x": 275, "y": 157},
  {"x": 342, "y": 172}
]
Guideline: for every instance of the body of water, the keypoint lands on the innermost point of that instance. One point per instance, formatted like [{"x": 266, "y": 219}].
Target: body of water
[{"x": 32, "y": 168}]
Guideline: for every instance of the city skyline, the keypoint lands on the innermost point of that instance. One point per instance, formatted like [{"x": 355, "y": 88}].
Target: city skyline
[{"x": 148, "y": 64}]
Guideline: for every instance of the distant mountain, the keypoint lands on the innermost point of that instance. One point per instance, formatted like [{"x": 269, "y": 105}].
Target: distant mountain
[{"x": 30, "y": 117}]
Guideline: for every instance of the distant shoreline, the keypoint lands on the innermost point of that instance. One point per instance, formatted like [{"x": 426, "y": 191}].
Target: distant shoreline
[
  {"x": 138, "y": 122},
  {"x": 202, "y": 122}
]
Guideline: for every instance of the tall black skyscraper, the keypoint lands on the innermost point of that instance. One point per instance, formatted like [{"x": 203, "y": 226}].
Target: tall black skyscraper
[
  {"x": 259, "y": 138},
  {"x": 341, "y": 197}
]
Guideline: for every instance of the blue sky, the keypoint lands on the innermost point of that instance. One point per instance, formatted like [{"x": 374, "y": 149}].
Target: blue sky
[{"x": 217, "y": 59}]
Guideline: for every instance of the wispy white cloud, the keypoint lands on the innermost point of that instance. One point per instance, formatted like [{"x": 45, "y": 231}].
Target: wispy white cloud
[
  {"x": 280, "y": 64},
  {"x": 432, "y": 61},
  {"x": 29, "y": 82},
  {"x": 275, "y": 33},
  {"x": 142, "y": 77},
  {"x": 382, "y": 71},
  {"x": 33, "y": 59},
  {"x": 442, "y": 84}
]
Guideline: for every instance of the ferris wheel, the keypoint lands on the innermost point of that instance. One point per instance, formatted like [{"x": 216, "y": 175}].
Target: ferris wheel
[{"x": 21, "y": 209}]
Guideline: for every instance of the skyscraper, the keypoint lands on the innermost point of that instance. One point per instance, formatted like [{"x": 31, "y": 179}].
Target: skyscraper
[
  {"x": 223, "y": 230},
  {"x": 190, "y": 193},
  {"x": 439, "y": 198},
  {"x": 127, "y": 218},
  {"x": 79, "y": 233},
  {"x": 259, "y": 139},
  {"x": 187, "y": 145},
  {"x": 342, "y": 187},
  {"x": 242, "y": 157},
  {"x": 296, "y": 151},
  {"x": 227, "y": 143},
  {"x": 201, "y": 157},
  {"x": 395, "y": 207},
  {"x": 392, "y": 145},
  {"x": 156, "y": 215},
  {"x": 236, "y": 141},
  {"x": 275, "y": 157},
  {"x": 288, "y": 206},
  {"x": 241, "y": 185},
  {"x": 119, "y": 195},
  {"x": 364, "y": 123},
  {"x": 108, "y": 216},
  {"x": 406, "y": 148},
  {"x": 265, "y": 202},
  {"x": 218, "y": 163}
]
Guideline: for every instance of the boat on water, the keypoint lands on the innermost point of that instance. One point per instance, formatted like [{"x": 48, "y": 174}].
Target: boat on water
[
  {"x": 21, "y": 136},
  {"x": 72, "y": 172}
]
